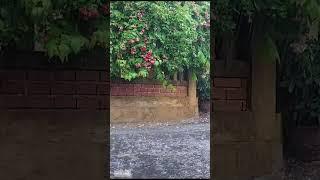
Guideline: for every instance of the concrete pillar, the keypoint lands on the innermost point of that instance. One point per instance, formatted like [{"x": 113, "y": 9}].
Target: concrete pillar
[
  {"x": 175, "y": 76},
  {"x": 192, "y": 93},
  {"x": 267, "y": 122}
]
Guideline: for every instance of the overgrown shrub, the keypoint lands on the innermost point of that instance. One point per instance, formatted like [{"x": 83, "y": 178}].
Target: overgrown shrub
[
  {"x": 158, "y": 39},
  {"x": 62, "y": 27},
  {"x": 301, "y": 80}
]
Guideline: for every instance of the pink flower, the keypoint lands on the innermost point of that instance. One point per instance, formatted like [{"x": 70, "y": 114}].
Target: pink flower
[
  {"x": 138, "y": 65},
  {"x": 133, "y": 50},
  {"x": 142, "y": 31}
]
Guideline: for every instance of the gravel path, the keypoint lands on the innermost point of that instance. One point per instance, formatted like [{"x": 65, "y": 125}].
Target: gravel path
[{"x": 162, "y": 150}]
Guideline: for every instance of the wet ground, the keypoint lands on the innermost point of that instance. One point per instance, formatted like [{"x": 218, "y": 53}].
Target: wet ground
[{"x": 161, "y": 150}]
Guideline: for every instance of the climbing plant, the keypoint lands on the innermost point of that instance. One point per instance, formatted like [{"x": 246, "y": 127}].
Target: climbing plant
[
  {"x": 158, "y": 39},
  {"x": 61, "y": 27}
]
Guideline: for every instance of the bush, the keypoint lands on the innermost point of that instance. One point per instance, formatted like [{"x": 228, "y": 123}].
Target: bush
[{"x": 158, "y": 39}]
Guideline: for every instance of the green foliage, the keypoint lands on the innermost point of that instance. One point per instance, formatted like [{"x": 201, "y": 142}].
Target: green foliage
[
  {"x": 203, "y": 87},
  {"x": 158, "y": 39},
  {"x": 301, "y": 80},
  {"x": 284, "y": 31},
  {"x": 271, "y": 22},
  {"x": 61, "y": 26}
]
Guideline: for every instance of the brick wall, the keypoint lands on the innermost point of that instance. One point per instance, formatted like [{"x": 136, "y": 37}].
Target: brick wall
[
  {"x": 142, "y": 89},
  {"x": 230, "y": 93},
  {"x": 53, "y": 116},
  {"x": 230, "y": 87},
  {"x": 54, "y": 89}
]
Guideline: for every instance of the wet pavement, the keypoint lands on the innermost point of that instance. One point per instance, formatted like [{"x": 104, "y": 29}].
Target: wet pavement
[{"x": 161, "y": 151}]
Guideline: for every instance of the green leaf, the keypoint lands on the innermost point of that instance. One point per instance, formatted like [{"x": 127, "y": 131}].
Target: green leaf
[
  {"x": 291, "y": 86},
  {"x": 52, "y": 48},
  {"x": 143, "y": 73},
  {"x": 267, "y": 50},
  {"x": 64, "y": 51},
  {"x": 77, "y": 42},
  {"x": 194, "y": 76}
]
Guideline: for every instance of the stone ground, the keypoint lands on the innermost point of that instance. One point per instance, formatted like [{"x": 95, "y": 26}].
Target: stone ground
[
  {"x": 297, "y": 170},
  {"x": 161, "y": 150}
]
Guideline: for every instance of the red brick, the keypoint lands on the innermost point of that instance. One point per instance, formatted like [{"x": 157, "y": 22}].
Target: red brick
[
  {"x": 64, "y": 102},
  {"x": 40, "y": 87},
  {"x": 129, "y": 93},
  {"x": 144, "y": 93},
  {"x": 63, "y": 88},
  {"x": 39, "y": 75},
  {"x": 219, "y": 93},
  {"x": 3, "y": 75},
  {"x": 244, "y": 83},
  {"x": 122, "y": 92},
  {"x": 104, "y": 102},
  {"x": 2, "y": 103},
  {"x": 12, "y": 75},
  {"x": 13, "y": 87},
  {"x": 244, "y": 106},
  {"x": 138, "y": 93},
  {"x": 142, "y": 89},
  {"x": 87, "y": 89},
  {"x": 163, "y": 90},
  {"x": 130, "y": 88},
  {"x": 15, "y": 101},
  {"x": 104, "y": 76},
  {"x": 88, "y": 75},
  {"x": 44, "y": 102},
  {"x": 115, "y": 91},
  {"x": 148, "y": 86},
  {"x": 103, "y": 89},
  {"x": 87, "y": 103},
  {"x": 183, "y": 90},
  {"x": 227, "y": 82},
  {"x": 236, "y": 93},
  {"x": 137, "y": 87},
  {"x": 113, "y": 85},
  {"x": 230, "y": 105},
  {"x": 156, "y": 90},
  {"x": 65, "y": 75}
]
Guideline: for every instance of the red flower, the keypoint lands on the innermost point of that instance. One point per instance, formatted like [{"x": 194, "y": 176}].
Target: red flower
[
  {"x": 105, "y": 9},
  {"x": 148, "y": 56},
  {"x": 86, "y": 13},
  {"x": 143, "y": 49}
]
